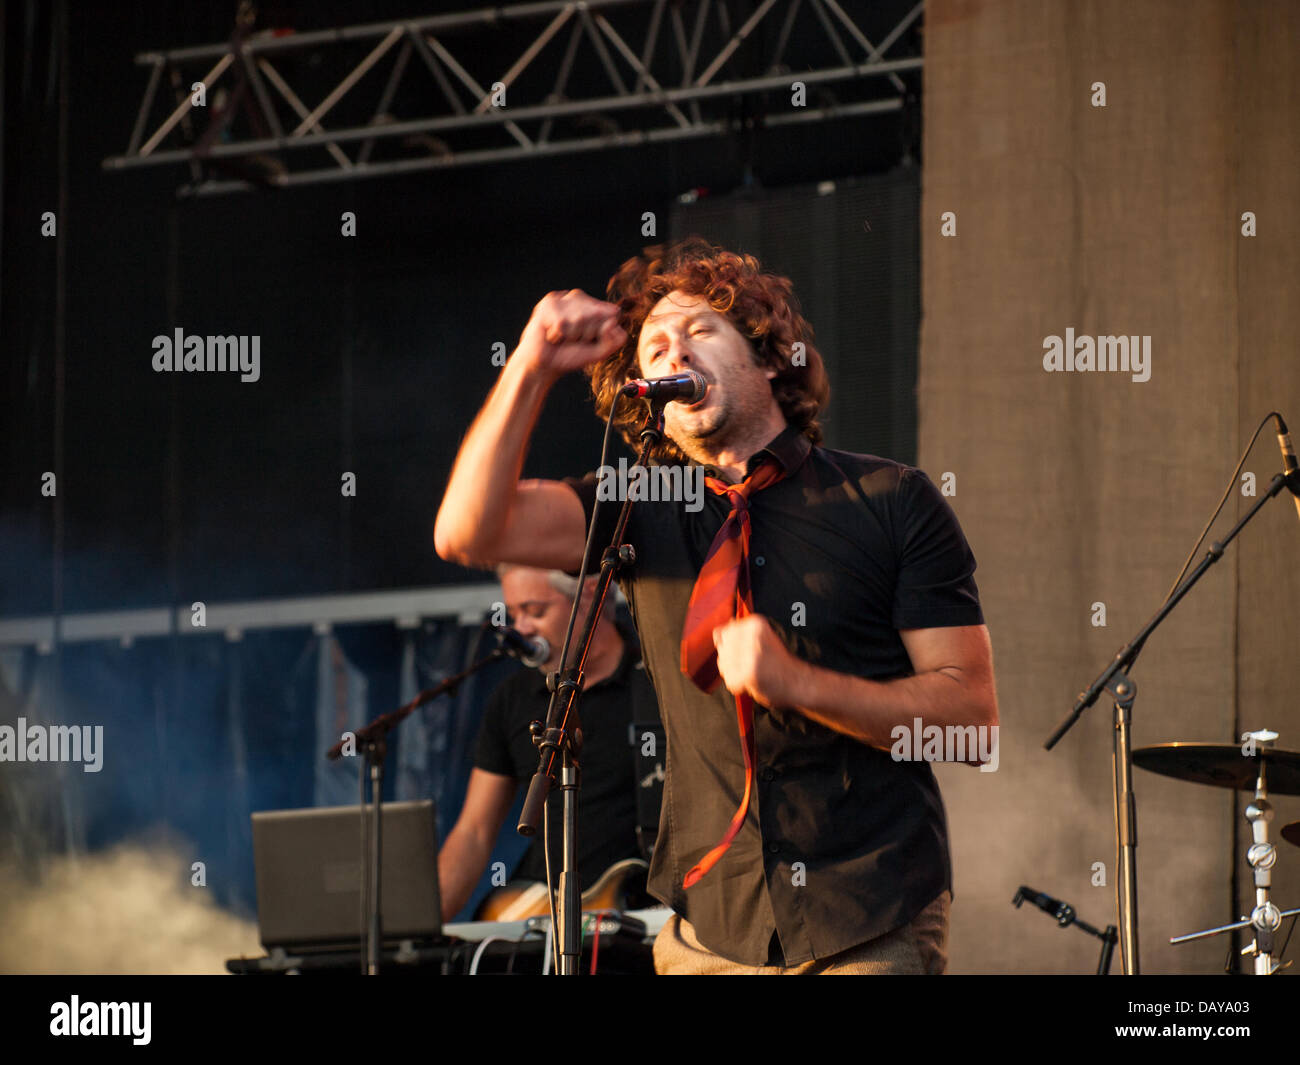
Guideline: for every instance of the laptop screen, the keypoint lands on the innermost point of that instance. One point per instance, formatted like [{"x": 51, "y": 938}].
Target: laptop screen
[{"x": 310, "y": 867}]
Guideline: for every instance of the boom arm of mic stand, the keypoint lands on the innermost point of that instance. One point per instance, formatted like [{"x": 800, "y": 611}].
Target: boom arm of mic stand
[
  {"x": 1129, "y": 652},
  {"x": 385, "y": 723}
]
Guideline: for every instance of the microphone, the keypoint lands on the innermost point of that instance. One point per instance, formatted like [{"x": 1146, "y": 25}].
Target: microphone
[
  {"x": 687, "y": 385},
  {"x": 1288, "y": 459},
  {"x": 531, "y": 652},
  {"x": 1062, "y": 911}
]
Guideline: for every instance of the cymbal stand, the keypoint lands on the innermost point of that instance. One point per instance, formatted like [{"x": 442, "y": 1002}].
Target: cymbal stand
[{"x": 1266, "y": 918}]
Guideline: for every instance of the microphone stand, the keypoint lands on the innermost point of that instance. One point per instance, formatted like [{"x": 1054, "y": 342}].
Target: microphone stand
[
  {"x": 560, "y": 739},
  {"x": 372, "y": 740},
  {"x": 1115, "y": 680}
]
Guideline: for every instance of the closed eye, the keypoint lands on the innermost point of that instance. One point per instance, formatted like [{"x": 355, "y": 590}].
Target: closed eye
[{"x": 532, "y": 610}]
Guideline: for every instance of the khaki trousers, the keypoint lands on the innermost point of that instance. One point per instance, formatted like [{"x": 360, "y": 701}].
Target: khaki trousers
[{"x": 920, "y": 947}]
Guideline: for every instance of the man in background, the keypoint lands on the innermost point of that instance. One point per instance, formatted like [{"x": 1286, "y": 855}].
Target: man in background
[{"x": 616, "y": 695}]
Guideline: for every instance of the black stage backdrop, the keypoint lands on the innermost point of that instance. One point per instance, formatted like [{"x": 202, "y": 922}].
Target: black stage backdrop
[{"x": 375, "y": 352}]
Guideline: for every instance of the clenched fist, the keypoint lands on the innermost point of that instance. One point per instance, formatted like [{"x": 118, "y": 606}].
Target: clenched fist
[
  {"x": 752, "y": 658},
  {"x": 570, "y": 330}
]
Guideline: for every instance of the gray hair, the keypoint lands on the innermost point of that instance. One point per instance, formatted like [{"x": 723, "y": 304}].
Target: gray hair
[{"x": 562, "y": 582}]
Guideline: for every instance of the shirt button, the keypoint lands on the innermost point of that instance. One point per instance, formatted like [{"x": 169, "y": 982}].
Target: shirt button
[
  {"x": 769, "y": 773},
  {"x": 759, "y": 560},
  {"x": 774, "y": 848}
]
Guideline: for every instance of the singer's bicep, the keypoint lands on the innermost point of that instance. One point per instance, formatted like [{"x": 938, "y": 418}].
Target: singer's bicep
[{"x": 545, "y": 527}]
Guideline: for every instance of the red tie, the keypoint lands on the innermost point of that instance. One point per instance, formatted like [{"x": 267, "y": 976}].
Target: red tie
[{"x": 721, "y": 593}]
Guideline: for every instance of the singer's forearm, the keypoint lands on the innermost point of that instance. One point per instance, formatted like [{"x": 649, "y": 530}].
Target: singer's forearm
[
  {"x": 870, "y": 711},
  {"x": 484, "y": 479},
  {"x": 951, "y": 689}
]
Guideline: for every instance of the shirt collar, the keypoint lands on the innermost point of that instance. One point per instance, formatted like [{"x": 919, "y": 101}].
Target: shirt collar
[{"x": 789, "y": 448}]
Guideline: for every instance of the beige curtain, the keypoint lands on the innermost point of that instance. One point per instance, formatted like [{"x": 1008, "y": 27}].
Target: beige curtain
[{"x": 1083, "y": 491}]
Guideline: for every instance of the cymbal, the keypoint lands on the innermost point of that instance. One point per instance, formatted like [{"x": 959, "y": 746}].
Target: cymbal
[
  {"x": 1291, "y": 833},
  {"x": 1222, "y": 765}
]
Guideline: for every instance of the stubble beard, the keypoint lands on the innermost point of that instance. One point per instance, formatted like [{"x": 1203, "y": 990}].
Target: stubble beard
[
  {"x": 724, "y": 427},
  {"x": 702, "y": 441}
]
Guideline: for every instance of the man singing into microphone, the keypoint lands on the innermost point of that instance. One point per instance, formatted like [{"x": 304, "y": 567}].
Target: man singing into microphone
[
  {"x": 818, "y": 603},
  {"x": 617, "y": 695}
]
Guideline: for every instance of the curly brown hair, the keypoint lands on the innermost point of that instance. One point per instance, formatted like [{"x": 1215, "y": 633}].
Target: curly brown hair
[{"x": 762, "y": 307}]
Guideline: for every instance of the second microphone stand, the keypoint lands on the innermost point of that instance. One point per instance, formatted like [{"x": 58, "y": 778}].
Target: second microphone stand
[{"x": 372, "y": 741}]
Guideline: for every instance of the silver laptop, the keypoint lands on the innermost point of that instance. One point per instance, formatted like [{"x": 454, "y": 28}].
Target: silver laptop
[{"x": 309, "y": 875}]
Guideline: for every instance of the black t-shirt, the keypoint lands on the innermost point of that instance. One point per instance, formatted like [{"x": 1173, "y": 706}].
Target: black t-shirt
[
  {"x": 842, "y": 843},
  {"x": 607, "y": 798}
]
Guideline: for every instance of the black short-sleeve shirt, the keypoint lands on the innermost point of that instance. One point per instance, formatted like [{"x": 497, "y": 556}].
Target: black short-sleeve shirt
[
  {"x": 842, "y": 843},
  {"x": 607, "y": 799}
]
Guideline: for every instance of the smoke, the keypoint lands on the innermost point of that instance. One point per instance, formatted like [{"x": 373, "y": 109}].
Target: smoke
[{"x": 131, "y": 909}]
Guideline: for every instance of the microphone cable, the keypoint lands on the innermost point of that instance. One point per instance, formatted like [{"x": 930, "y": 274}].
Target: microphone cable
[{"x": 1232, "y": 481}]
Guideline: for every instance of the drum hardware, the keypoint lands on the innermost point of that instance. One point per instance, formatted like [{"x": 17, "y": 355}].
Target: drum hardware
[{"x": 1255, "y": 764}]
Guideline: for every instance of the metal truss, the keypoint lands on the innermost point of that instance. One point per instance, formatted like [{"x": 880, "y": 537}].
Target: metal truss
[
  {"x": 507, "y": 83},
  {"x": 404, "y": 608}
]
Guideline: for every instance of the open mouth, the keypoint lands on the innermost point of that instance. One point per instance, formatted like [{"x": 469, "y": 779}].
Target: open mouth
[{"x": 702, "y": 400}]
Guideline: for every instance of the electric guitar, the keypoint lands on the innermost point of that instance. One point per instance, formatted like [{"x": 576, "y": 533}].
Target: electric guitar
[{"x": 526, "y": 898}]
